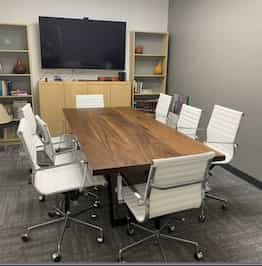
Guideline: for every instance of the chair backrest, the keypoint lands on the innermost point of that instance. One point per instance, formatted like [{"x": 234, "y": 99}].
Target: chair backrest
[
  {"x": 223, "y": 124},
  {"x": 222, "y": 130},
  {"x": 178, "y": 101},
  {"x": 28, "y": 114},
  {"x": 172, "y": 120},
  {"x": 46, "y": 138},
  {"x": 176, "y": 184},
  {"x": 188, "y": 121},
  {"x": 162, "y": 107},
  {"x": 24, "y": 133},
  {"x": 90, "y": 101}
]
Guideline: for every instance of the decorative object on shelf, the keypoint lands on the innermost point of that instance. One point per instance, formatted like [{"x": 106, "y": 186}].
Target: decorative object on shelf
[
  {"x": 19, "y": 67},
  {"x": 5, "y": 118},
  {"x": 158, "y": 69},
  {"x": 57, "y": 78},
  {"x": 115, "y": 78},
  {"x": 19, "y": 92},
  {"x": 1, "y": 68},
  {"x": 139, "y": 49}
]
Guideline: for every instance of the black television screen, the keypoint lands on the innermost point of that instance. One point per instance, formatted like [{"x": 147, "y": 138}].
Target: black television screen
[{"x": 82, "y": 43}]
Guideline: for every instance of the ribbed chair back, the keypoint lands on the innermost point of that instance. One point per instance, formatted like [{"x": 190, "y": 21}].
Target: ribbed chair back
[
  {"x": 27, "y": 113},
  {"x": 162, "y": 107},
  {"x": 188, "y": 121},
  {"x": 46, "y": 138},
  {"x": 176, "y": 184},
  {"x": 25, "y": 135},
  {"x": 222, "y": 129}
]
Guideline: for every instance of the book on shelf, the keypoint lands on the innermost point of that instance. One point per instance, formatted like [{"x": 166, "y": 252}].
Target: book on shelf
[
  {"x": 146, "y": 105},
  {"x": 19, "y": 92},
  {"x": 138, "y": 87},
  {"x": 5, "y": 87}
]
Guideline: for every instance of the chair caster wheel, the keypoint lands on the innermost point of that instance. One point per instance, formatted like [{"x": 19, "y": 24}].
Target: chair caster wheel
[
  {"x": 155, "y": 242},
  {"x": 224, "y": 206},
  {"x": 25, "y": 237},
  {"x": 199, "y": 255},
  {"x": 130, "y": 230},
  {"x": 52, "y": 214},
  {"x": 171, "y": 228},
  {"x": 100, "y": 238},
  {"x": 41, "y": 198},
  {"x": 96, "y": 204},
  {"x": 93, "y": 215},
  {"x": 202, "y": 218},
  {"x": 56, "y": 257}
]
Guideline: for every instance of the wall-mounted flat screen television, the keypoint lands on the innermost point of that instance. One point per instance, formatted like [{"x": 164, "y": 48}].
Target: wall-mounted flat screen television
[{"x": 82, "y": 43}]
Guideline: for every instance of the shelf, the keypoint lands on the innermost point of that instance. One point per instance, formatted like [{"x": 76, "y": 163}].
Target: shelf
[
  {"x": 15, "y": 97},
  {"x": 149, "y": 55},
  {"x": 14, "y": 75},
  {"x": 13, "y": 51},
  {"x": 149, "y": 76},
  {"x": 145, "y": 94},
  {"x": 9, "y": 141},
  {"x": 151, "y": 33}
]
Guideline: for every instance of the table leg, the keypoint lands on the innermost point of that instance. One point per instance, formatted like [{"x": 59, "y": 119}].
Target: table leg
[{"x": 118, "y": 211}]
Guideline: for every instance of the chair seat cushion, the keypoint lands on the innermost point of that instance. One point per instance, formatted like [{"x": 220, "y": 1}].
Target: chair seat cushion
[
  {"x": 59, "y": 179},
  {"x": 132, "y": 202},
  {"x": 65, "y": 178}
]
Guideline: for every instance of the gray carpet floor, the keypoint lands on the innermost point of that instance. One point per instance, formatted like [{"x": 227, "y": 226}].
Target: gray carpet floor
[{"x": 233, "y": 236}]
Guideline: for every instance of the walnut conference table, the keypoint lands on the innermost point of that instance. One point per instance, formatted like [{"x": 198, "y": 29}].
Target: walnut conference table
[{"x": 121, "y": 139}]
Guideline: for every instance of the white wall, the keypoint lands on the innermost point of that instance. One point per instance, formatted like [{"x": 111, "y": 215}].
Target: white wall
[{"x": 147, "y": 15}]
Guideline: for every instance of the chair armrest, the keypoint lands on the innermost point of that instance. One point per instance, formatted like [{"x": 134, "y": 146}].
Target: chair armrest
[
  {"x": 134, "y": 191},
  {"x": 54, "y": 166},
  {"x": 224, "y": 142}
]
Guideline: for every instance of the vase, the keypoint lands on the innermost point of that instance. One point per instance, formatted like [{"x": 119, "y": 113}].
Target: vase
[
  {"x": 19, "y": 67},
  {"x": 158, "y": 69},
  {"x": 139, "y": 49}
]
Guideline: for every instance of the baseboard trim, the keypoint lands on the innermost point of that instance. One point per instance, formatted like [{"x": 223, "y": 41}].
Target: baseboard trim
[{"x": 250, "y": 179}]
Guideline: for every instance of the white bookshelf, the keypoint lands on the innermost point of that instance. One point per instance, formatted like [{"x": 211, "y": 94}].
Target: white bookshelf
[
  {"x": 14, "y": 45},
  {"x": 142, "y": 65}
]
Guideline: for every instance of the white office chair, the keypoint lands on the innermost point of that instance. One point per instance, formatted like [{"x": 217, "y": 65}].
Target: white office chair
[
  {"x": 173, "y": 185},
  {"x": 222, "y": 130},
  {"x": 65, "y": 179},
  {"x": 67, "y": 156},
  {"x": 188, "y": 121},
  {"x": 90, "y": 101},
  {"x": 55, "y": 156},
  {"x": 162, "y": 107},
  {"x": 28, "y": 114}
]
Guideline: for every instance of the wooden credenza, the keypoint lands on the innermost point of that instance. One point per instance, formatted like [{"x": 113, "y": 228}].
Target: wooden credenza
[{"x": 56, "y": 95}]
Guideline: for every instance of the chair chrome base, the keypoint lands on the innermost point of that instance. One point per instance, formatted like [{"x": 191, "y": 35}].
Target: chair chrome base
[
  {"x": 67, "y": 218},
  {"x": 96, "y": 202},
  {"x": 156, "y": 234},
  {"x": 214, "y": 197}
]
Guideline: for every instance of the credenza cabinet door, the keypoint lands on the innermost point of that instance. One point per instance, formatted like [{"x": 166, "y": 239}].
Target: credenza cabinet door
[
  {"x": 120, "y": 94},
  {"x": 51, "y": 95},
  {"x": 55, "y": 95},
  {"x": 100, "y": 88},
  {"x": 71, "y": 90}
]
